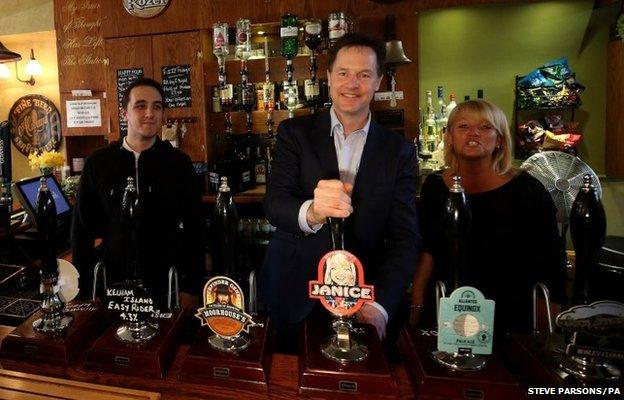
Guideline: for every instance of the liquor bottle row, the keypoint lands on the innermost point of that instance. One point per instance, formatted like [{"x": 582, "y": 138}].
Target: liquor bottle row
[
  {"x": 273, "y": 96},
  {"x": 255, "y": 229},
  {"x": 432, "y": 126},
  {"x": 246, "y": 162},
  {"x": 297, "y": 37}
]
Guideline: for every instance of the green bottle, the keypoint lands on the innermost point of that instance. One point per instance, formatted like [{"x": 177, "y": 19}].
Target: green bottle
[{"x": 289, "y": 33}]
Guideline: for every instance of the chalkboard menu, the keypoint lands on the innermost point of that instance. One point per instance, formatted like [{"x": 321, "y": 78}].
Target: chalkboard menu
[
  {"x": 176, "y": 81},
  {"x": 129, "y": 303},
  {"x": 124, "y": 78}
]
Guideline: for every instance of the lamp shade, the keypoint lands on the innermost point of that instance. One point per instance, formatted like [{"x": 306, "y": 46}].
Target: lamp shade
[
  {"x": 8, "y": 55},
  {"x": 4, "y": 71},
  {"x": 33, "y": 68}
]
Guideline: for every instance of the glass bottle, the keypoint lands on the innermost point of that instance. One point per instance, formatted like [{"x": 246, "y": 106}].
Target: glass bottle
[
  {"x": 452, "y": 104},
  {"x": 289, "y": 33},
  {"x": 291, "y": 97},
  {"x": 260, "y": 167},
  {"x": 220, "y": 39},
  {"x": 337, "y": 26},
  {"x": 431, "y": 138},
  {"x": 312, "y": 34},
  {"x": 441, "y": 116},
  {"x": 243, "y": 39},
  {"x": 220, "y": 48}
]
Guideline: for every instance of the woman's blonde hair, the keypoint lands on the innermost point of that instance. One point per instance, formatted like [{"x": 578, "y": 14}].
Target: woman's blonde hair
[{"x": 501, "y": 158}]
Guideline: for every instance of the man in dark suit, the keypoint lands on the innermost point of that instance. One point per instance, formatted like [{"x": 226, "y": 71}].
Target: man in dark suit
[{"x": 341, "y": 164}]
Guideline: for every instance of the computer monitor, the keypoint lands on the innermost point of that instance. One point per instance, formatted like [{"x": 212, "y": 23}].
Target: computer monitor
[{"x": 26, "y": 191}]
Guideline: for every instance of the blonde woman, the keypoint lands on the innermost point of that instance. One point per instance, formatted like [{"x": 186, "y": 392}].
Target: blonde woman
[{"x": 513, "y": 241}]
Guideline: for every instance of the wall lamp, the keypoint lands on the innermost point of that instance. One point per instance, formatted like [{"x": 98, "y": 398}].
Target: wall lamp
[{"x": 33, "y": 68}]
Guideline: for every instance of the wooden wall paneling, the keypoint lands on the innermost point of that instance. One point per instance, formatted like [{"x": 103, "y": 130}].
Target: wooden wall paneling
[
  {"x": 614, "y": 140},
  {"x": 123, "y": 53},
  {"x": 261, "y": 11},
  {"x": 88, "y": 131},
  {"x": 79, "y": 44},
  {"x": 185, "y": 49},
  {"x": 180, "y": 15}
]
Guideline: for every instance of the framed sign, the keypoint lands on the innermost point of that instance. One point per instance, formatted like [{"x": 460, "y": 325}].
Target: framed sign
[
  {"x": 83, "y": 113},
  {"x": 35, "y": 124},
  {"x": 145, "y": 8}
]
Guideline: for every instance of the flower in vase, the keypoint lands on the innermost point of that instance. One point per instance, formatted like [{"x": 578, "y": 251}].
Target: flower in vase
[{"x": 46, "y": 161}]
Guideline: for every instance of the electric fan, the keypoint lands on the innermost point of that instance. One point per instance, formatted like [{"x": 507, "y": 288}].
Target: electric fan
[{"x": 562, "y": 175}]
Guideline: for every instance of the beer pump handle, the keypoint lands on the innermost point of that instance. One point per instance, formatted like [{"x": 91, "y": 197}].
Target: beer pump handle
[
  {"x": 99, "y": 272},
  {"x": 129, "y": 211},
  {"x": 45, "y": 218},
  {"x": 173, "y": 289},
  {"x": 253, "y": 308},
  {"x": 336, "y": 231},
  {"x": 440, "y": 291},
  {"x": 546, "y": 294},
  {"x": 457, "y": 219},
  {"x": 588, "y": 227}
]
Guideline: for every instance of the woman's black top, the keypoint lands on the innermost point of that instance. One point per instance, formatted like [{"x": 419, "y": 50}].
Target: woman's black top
[{"x": 513, "y": 243}]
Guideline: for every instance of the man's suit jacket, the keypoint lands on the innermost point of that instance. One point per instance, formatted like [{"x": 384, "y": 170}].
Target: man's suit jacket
[{"x": 382, "y": 231}]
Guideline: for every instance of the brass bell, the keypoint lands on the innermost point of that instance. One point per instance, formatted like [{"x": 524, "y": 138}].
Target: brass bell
[{"x": 395, "y": 55}]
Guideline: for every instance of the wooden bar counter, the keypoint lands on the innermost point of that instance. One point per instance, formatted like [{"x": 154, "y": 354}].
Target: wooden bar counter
[{"x": 74, "y": 382}]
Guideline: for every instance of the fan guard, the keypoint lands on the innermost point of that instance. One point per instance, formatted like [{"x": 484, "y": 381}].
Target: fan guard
[{"x": 562, "y": 175}]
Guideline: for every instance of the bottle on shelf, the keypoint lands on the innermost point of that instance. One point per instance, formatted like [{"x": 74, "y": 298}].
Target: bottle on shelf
[
  {"x": 312, "y": 35},
  {"x": 220, "y": 48},
  {"x": 290, "y": 96},
  {"x": 289, "y": 33},
  {"x": 260, "y": 167},
  {"x": 312, "y": 39},
  {"x": 337, "y": 26},
  {"x": 451, "y": 105},
  {"x": 431, "y": 136},
  {"x": 441, "y": 116},
  {"x": 241, "y": 176},
  {"x": 243, "y": 39}
]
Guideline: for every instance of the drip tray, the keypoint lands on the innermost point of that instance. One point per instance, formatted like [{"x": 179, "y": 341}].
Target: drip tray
[
  {"x": 14, "y": 311},
  {"x": 8, "y": 272}
]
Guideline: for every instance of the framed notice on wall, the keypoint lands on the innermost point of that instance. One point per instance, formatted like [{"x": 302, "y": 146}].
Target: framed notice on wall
[
  {"x": 83, "y": 113},
  {"x": 124, "y": 78},
  {"x": 176, "y": 82}
]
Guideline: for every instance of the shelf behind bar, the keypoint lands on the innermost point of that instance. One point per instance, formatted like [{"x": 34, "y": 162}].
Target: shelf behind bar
[
  {"x": 254, "y": 195},
  {"x": 217, "y": 120}
]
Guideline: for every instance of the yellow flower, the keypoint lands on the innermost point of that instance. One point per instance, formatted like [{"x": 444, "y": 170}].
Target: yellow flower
[{"x": 46, "y": 159}]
